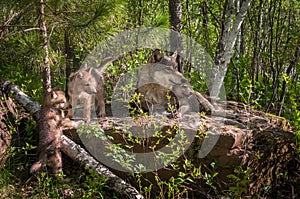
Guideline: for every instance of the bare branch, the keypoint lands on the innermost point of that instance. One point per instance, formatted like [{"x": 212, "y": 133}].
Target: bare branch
[
  {"x": 8, "y": 21},
  {"x": 19, "y": 32}
]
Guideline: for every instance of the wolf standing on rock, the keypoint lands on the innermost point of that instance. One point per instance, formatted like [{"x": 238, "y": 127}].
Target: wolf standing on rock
[{"x": 86, "y": 91}]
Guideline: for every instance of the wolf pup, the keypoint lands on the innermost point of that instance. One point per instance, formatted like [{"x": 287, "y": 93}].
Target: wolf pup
[
  {"x": 81, "y": 87},
  {"x": 50, "y": 132},
  {"x": 86, "y": 82}
]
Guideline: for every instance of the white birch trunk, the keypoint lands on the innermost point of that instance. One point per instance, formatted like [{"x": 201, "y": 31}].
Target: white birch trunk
[{"x": 227, "y": 43}]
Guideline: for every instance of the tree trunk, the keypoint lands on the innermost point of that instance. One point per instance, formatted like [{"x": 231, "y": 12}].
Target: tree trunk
[
  {"x": 291, "y": 67},
  {"x": 175, "y": 10},
  {"x": 46, "y": 67},
  {"x": 226, "y": 44},
  {"x": 69, "y": 56}
]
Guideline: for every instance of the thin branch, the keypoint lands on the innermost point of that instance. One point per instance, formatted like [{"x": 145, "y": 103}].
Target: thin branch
[
  {"x": 19, "y": 32},
  {"x": 8, "y": 26},
  {"x": 14, "y": 15},
  {"x": 8, "y": 21}
]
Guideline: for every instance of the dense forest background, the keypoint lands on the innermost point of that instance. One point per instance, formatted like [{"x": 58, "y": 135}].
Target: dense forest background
[{"x": 263, "y": 70}]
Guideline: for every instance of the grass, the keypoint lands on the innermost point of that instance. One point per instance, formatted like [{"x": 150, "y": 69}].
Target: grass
[{"x": 16, "y": 182}]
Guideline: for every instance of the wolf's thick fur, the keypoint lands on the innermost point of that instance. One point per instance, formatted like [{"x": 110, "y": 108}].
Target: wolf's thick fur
[
  {"x": 186, "y": 99},
  {"x": 84, "y": 107},
  {"x": 156, "y": 98},
  {"x": 159, "y": 79},
  {"x": 81, "y": 85},
  {"x": 86, "y": 82},
  {"x": 50, "y": 132}
]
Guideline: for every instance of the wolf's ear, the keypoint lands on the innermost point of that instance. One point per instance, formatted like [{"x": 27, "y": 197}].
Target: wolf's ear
[
  {"x": 89, "y": 70},
  {"x": 155, "y": 57},
  {"x": 36, "y": 167},
  {"x": 80, "y": 75},
  {"x": 174, "y": 56},
  {"x": 53, "y": 94}
]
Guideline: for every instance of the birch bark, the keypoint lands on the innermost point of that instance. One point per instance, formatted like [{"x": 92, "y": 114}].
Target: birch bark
[{"x": 230, "y": 31}]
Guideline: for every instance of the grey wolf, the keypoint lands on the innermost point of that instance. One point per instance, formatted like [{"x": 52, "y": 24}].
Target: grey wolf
[{"x": 161, "y": 85}]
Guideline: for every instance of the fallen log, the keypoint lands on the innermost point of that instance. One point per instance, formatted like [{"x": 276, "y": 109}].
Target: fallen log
[{"x": 31, "y": 106}]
